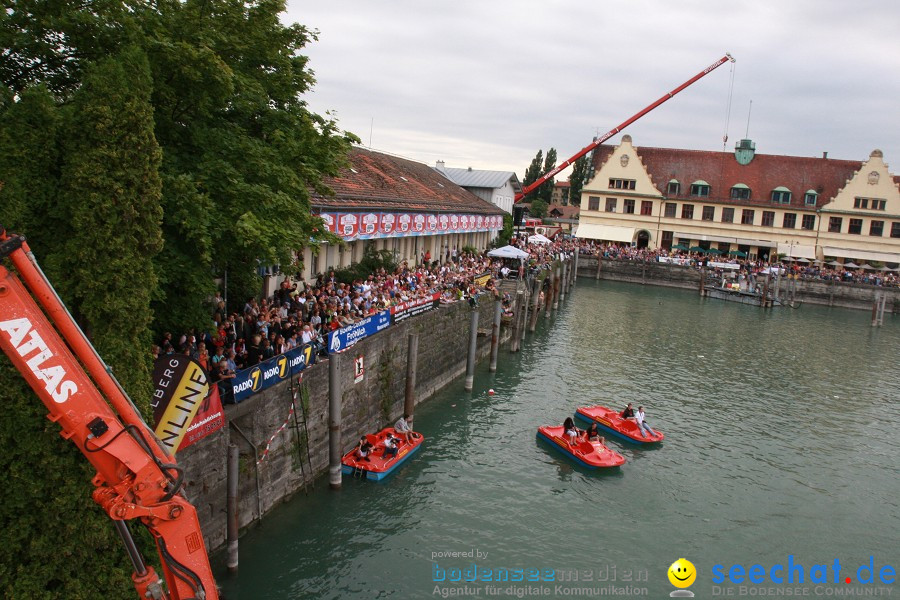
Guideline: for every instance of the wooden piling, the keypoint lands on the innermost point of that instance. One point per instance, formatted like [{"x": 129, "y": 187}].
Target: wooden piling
[
  {"x": 473, "y": 349},
  {"x": 495, "y": 335},
  {"x": 535, "y": 304},
  {"x": 412, "y": 359},
  {"x": 231, "y": 506},
  {"x": 518, "y": 321},
  {"x": 599, "y": 264},
  {"x": 334, "y": 421}
]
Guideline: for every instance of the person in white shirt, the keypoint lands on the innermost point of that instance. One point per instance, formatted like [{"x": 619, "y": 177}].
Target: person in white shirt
[{"x": 643, "y": 427}]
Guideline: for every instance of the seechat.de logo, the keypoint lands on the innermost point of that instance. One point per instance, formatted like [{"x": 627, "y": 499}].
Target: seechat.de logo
[{"x": 682, "y": 573}]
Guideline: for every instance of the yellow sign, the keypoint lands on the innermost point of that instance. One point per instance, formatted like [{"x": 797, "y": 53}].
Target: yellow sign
[
  {"x": 482, "y": 280},
  {"x": 190, "y": 392}
]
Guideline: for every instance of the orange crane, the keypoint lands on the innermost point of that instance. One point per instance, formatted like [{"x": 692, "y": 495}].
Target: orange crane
[
  {"x": 540, "y": 180},
  {"x": 136, "y": 478}
]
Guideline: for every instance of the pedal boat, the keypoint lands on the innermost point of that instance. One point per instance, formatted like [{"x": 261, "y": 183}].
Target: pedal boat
[
  {"x": 610, "y": 422},
  {"x": 592, "y": 455},
  {"x": 378, "y": 467}
]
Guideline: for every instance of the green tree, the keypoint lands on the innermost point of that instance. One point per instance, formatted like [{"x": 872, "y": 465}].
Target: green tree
[
  {"x": 545, "y": 190},
  {"x": 111, "y": 193},
  {"x": 533, "y": 172},
  {"x": 577, "y": 179},
  {"x": 538, "y": 208},
  {"x": 29, "y": 165}
]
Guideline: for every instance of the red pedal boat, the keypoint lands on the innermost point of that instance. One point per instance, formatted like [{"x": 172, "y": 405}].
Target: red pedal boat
[
  {"x": 592, "y": 455},
  {"x": 378, "y": 467},
  {"x": 609, "y": 420}
]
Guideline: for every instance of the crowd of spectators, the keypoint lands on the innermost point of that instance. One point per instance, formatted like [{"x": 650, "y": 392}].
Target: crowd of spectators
[
  {"x": 806, "y": 271},
  {"x": 302, "y": 312}
]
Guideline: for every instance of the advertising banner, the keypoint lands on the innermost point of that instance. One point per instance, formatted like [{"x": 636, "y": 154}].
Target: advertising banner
[
  {"x": 388, "y": 221},
  {"x": 268, "y": 373},
  {"x": 368, "y": 225},
  {"x": 209, "y": 419},
  {"x": 348, "y": 226},
  {"x": 402, "y": 311},
  {"x": 482, "y": 279},
  {"x": 404, "y": 224},
  {"x": 364, "y": 226},
  {"x": 347, "y": 336},
  {"x": 180, "y": 387}
]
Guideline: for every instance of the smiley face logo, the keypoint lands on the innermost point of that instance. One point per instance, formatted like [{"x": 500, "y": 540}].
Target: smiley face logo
[{"x": 682, "y": 573}]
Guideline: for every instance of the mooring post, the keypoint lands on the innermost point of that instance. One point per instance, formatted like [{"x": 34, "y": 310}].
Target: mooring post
[
  {"x": 518, "y": 322},
  {"x": 473, "y": 348},
  {"x": 575, "y": 269},
  {"x": 334, "y": 421},
  {"x": 231, "y": 506},
  {"x": 557, "y": 273},
  {"x": 548, "y": 297},
  {"x": 535, "y": 304},
  {"x": 764, "y": 301},
  {"x": 412, "y": 359},
  {"x": 563, "y": 281},
  {"x": 599, "y": 264},
  {"x": 495, "y": 334}
]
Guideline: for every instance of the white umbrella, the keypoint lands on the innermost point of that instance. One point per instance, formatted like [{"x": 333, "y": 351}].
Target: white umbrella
[
  {"x": 803, "y": 260},
  {"x": 508, "y": 252},
  {"x": 867, "y": 266},
  {"x": 538, "y": 239},
  {"x": 851, "y": 265}
]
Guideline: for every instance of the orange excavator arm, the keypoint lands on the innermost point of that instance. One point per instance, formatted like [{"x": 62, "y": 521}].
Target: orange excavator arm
[{"x": 136, "y": 478}]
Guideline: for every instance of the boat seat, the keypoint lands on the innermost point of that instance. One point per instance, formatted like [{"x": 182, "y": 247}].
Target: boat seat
[{"x": 586, "y": 447}]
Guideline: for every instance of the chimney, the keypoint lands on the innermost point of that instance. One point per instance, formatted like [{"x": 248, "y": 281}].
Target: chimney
[
  {"x": 470, "y": 169},
  {"x": 439, "y": 165},
  {"x": 824, "y": 155}
]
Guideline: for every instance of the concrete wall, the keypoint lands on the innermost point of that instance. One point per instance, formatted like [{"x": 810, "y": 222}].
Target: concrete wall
[
  {"x": 366, "y": 407},
  {"x": 844, "y": 295}
]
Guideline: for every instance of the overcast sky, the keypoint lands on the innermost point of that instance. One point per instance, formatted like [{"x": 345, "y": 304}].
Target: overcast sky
[{"x": 486, "y": 83}]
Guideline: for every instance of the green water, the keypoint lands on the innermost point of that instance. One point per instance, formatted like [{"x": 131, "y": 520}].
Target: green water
[{"x": 780, "y": 440}]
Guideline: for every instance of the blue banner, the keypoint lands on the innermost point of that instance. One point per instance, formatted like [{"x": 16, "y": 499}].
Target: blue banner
[
  {"x": 268, "y": 373},
  {"x": 347, "y": 336}
]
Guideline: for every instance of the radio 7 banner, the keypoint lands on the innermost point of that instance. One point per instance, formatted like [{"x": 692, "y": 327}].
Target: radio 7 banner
[{"x": 268, "y": 373}]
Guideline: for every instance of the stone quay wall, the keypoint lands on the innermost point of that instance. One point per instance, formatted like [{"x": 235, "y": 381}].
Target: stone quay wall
[
  {"x": 299, "y": 452},
  {"x": 858, "y": 296}
]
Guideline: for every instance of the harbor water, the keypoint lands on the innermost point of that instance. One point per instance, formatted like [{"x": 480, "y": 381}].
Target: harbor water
[{"x": 781, "y": 447}]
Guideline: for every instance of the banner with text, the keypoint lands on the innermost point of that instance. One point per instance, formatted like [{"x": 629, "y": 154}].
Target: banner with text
[
  {"x": 347, "y": 336},
  {"x": 209, "y": 418},
  {"x": 269, "y": 372},
  {"x": 180, "y": 387},
  {"x": 415, "y": 307}
]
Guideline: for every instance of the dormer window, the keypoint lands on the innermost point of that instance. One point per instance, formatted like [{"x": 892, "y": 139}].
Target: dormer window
[
  {"x": 700, "y": 188},
  {"x": 781, "y": 195},
  {"x": 810, "y": 198},
  {"x": 674, "y": 188},
  {"x": 740, "y": 191}
]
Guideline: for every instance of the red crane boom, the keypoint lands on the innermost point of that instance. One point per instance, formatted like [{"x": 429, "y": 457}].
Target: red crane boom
[
  {"x": 136, "y": 478},
  {"x": 540, "y": 180}
]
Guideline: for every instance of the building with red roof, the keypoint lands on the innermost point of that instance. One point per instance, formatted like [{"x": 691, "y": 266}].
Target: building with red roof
[
  {"x": 393, "y": 203},
  {"x": 800, "y": 207}
]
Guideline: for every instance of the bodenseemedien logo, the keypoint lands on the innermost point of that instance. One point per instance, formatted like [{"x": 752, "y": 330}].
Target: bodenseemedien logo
[{"x": 682, "y": 574}]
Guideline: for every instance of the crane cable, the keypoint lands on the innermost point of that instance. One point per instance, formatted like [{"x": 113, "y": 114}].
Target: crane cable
[{"x": 728, "y": 106}]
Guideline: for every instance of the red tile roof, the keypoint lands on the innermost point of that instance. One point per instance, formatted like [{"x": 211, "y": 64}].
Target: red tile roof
[
  {"x": 566, "y": 212},
  {"x": 380, "y": 181},
  {"x": 826, "y": 176}
]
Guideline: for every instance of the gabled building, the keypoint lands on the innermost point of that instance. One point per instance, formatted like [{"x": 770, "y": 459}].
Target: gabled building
[
  {"x": 809, "y": 208},
  {"x": 497, "y": 187},
  {"x": 397, "y": 204}
]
